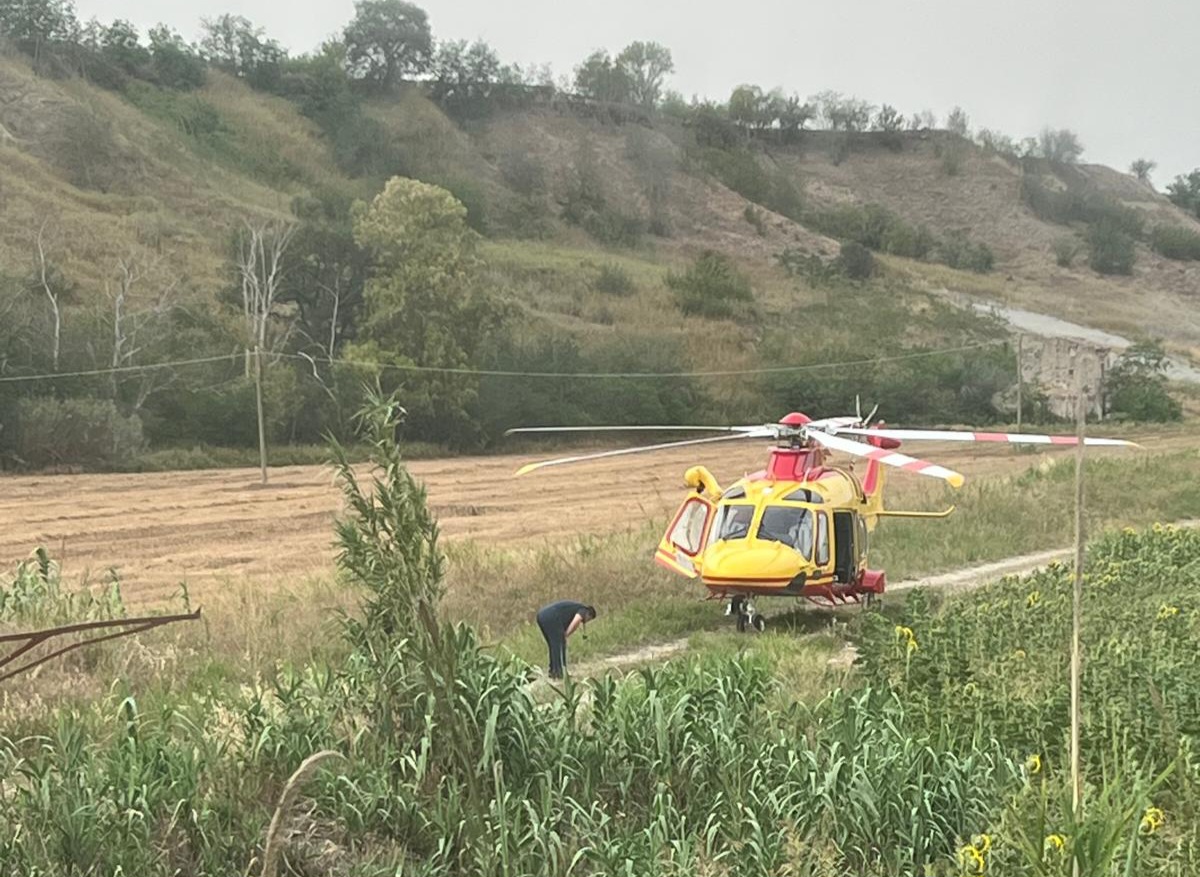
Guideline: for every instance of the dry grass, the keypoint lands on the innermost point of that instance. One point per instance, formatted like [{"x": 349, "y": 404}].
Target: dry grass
[
  {"x": 217, "y": 527},
  {"x": 171, "y": 199}
]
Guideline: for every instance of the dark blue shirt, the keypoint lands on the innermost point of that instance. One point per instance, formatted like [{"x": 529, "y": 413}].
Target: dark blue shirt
[{"x": 558, "y": 616}]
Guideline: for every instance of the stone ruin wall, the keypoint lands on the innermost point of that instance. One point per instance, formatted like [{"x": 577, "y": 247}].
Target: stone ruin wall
[{"x": 1049, "y": 364}]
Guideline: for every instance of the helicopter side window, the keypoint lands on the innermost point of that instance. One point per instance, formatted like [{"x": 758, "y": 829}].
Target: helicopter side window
[
  {"x": 822, "y": 539},
  {"x": 789, "y": 525},
  {"x": 688, "y": 531},
  {"x": 734, "y": 521}
]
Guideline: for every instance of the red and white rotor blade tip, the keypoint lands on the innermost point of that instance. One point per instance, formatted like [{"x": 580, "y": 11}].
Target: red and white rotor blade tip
[
  {"x": 1012, "y": 438},
  {"x": 888, "y": 458},
  {"x": 530, "y": 467}
]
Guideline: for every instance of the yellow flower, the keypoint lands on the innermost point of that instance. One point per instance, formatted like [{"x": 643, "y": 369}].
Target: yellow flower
[
  {"x": 1019, "y": 654},
  {"x": 1057, "y": 841},
  {"x": 906, "y": 633},
  {"x": 1033, "y": 763},
  {"x": 970, "y": 857},
  {"x": 1165, "y": 612},
  {"x": 1033, "y": 599},
  {"x": 1152, "y": 820},
  {"x": 982, "y": 842}
]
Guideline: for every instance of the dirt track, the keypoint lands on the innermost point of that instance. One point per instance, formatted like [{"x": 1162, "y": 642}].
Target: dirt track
[{"x": 206, "y": 527}]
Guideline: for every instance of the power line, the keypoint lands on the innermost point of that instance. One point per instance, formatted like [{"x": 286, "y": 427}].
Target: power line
[
  {"x": 637, "y": 375},
  {"x": 426, "y": 369},
  {"x": 12, "y": 379}
]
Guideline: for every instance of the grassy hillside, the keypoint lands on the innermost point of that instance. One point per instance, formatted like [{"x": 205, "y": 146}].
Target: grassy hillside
[{"x": 590, "y": 222}]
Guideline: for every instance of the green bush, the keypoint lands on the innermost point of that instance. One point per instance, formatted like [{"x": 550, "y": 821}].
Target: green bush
[
  {"x": 912, "y": 242},
  {"x": 1065, "y": 250},
  {"x": 958, "y": 252},
  {"x": 741, "y": 171},
  {"x": 1076, "y": 204},
  {"x": 711, "y": 287},
  {"x": 1175, "y": 242},
  {"x": 614, "y": 280},
  {"x": 88, "y": 432},
  {"x": 754, "y": 217},
  {"x": 1136, "y": 387},
  {"x": 856, "y": 261},
  {"x": 1111, "y": 249}
]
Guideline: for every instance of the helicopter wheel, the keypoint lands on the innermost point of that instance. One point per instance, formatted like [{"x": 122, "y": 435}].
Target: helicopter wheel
[{"x": 759, "y": 623}]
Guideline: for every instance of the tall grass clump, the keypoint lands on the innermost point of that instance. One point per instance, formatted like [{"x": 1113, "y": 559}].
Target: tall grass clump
[
  {"x": 614, "y": 280},
  {"x": 711, "y": 287}
]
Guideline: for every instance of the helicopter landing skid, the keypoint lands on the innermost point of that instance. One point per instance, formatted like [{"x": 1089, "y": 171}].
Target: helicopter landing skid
[
  {"x": 747, "y": 615},
  {"x": 834, "y": 598}
]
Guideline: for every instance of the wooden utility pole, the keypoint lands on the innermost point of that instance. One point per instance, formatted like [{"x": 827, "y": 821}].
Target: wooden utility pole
[
  {"x": 1077, "y": 596},
  {"x": 262, "y": 432},
  {"x": 1020, "y": 378}
]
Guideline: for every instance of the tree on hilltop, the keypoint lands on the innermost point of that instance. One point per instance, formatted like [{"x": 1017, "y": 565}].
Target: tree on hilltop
[
  {"x": 645, "y": 65},
  {"x": 387, "y": 40},
  {"x": 1142, "y": 168},
  {"x": 33, "y": 25},
  {"x": 1184, "y": 192}
]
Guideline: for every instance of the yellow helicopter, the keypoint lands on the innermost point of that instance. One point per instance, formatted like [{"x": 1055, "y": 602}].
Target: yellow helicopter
[{"x": 800, "y": 527}]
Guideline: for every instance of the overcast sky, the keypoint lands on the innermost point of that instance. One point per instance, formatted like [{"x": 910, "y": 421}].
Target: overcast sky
[{"x": 1122, "y": 75}]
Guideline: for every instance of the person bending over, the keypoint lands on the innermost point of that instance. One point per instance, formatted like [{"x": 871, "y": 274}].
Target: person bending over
[{"x": 557, "y": 622}]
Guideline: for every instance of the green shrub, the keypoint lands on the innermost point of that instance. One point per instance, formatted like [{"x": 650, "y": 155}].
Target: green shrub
[
  {"x": 614, "y": 280},
  {"x": 741, "y": 171},
  {"x": 856, "y": 261},
  {"x": 90, "y": 432},
  {"x": 1136, "y": 387},
  {"x": 958, "y": 252},
  {"x": 1175, "y": 242},
  {"x": 1075, "y": 204},
  {"x": 754, "y": 216},
  {"x": 1065, "y": 250},
  {"x": 912, "y": 242},
  {"x": 1111, "y": 249},
  {"x": 711, "y": 287}
]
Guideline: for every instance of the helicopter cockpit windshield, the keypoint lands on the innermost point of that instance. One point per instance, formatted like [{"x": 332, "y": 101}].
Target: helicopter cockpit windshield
[
  {"x": 733, "y": 521},
  {"x": 790, "y": 525}
]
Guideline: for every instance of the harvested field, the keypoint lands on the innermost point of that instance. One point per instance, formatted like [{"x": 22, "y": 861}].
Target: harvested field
[{"x": 211, "y": 527}]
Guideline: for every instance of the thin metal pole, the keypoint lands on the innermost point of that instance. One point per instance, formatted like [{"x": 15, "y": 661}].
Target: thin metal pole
[
  {"x": 1020, "y": 378},
  {"x": 1077, "y": 599},
  {"x": 262, "y": 433}
]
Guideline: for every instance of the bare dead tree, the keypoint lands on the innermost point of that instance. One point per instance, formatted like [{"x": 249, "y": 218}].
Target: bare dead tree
[
  {"x": 260, "y": 265},
  {"x": 131, "y": 316},
  {"x": 42, "y": 271},
  {"x": 261, "y": 254}
]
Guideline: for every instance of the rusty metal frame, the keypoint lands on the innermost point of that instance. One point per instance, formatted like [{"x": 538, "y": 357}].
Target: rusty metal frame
[{"x": 35, "y": 638}]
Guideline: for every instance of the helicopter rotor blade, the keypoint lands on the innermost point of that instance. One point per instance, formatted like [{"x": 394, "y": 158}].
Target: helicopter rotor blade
[
  {"x": 888, "y": 458},
  {"x": 530, "y": 467},
  {"x": 1015, "y": 438},
  {"x": 556, "y": 429}
]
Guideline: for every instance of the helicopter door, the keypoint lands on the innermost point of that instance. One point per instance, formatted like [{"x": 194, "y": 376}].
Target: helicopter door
[
  {"x": 846, "y": 549},
  {"x": 685, "y": 537}
]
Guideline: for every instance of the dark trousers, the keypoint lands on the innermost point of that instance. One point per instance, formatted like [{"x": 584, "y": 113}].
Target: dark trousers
[{"x": 556, "y": 639}]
